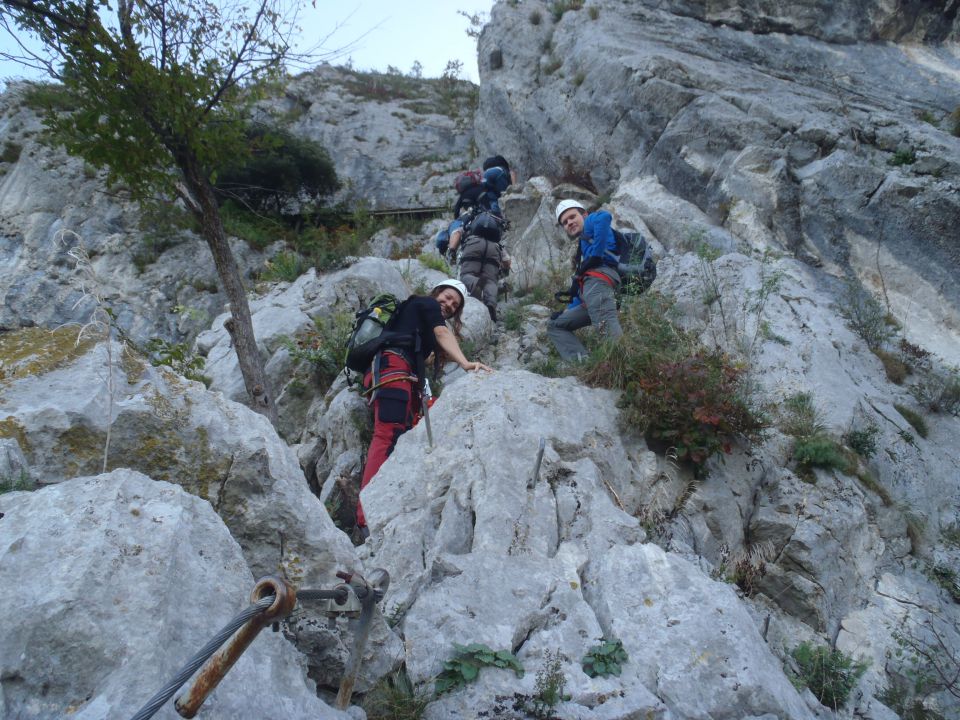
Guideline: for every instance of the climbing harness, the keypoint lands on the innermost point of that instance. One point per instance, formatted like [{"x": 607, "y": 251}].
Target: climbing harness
[{"x": 272, "y": 599}]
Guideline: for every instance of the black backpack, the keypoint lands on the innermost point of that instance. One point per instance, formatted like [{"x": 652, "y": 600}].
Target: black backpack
[{"x": 637, "y": 267}]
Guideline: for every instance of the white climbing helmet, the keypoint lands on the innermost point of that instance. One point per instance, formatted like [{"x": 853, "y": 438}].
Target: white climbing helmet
[
  {"x": 456, "y": 285},
  {"x": 565, "y": 205}
]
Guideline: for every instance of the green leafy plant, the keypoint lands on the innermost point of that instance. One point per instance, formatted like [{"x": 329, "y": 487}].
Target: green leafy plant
[
  {"x": 394, "y": 697},
  {"x": 178, "y": 357},
  {"x": 435, "y": 262},
  {"x": 955, "y": 122},
  {"x": 465, "y": 666},
  {"x": 15, "y": 484},
  {"x": 559, "y": 7},
  {"x": 894, "y": 367},
  {"x": 11, "y": 152},
  {"x": 863, "y": 441},
  {"x": 951, "y": 534},
  {"x": 830, "y": 674},
  {"x": 813, "y": 447},
  {"x": 914, "y": 418},
  {"x": 514, "y": 317},
  {"x": 323, "y": 346},
  {"x": 593, "y": 12},
  {"x": 49, "y": 97},
  {"x": 865, "y": 315},
  {"x": 938, "y": 391},
  {"x": 947, "y": 578},
  {"x": 675, "y": 391},
  {"x": 284, "y": 266},
  {"x": 903, "y": 156},
  {"x": 548, "y": 689},
  {"x": 605, "y": 659}
]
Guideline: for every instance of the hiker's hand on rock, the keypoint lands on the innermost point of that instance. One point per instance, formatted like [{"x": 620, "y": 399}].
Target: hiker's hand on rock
[{"x": 476, "y": 365}]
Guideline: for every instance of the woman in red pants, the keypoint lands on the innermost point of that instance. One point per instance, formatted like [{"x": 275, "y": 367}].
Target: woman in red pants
[{"x": 395, "y": 396}]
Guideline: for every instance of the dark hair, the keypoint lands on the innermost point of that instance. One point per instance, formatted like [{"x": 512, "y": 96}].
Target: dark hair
[{"x": 496, "y": 161}]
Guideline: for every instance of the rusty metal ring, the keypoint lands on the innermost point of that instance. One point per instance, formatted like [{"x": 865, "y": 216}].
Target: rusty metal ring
[{"x": 285, "y": 596}]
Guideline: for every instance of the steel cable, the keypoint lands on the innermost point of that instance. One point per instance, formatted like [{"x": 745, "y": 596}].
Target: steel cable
[{"x": 167, "y": 691}]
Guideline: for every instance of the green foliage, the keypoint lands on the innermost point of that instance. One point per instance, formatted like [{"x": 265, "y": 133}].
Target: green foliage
[
  {"x": 820, "y": 451},
  {"x": 800, "y": 417},
  {"x": 955, "y": 122},
  {"x": 178, "y": 357},
  {"x": 894, "y": 367},
  {"x": 11, "y": 152},
  {"x": 514, "y": 317},
  {"x": 46, "y": 97},
  {"x": 395, "y": 698},
  {"x": 435, "y": 262},
  {"x": 863, "y": 441},
  {"x": 914, "y": 418},
  {"x": 465, "y": 666},
  {"x": 277, "y": 169},
  {"x": 605, "y": 659},
  {"x": 257, "y": 230},
  {"x": 678, "y": 393},
  {"x": 594, "y": 12},
  {"x": 951, "y": 534},
  {"x": 16, "y": 484},
  {"x": 865, "y": 315},
  {"x": 535, "y": 17},
  {"x": 284, "y": 266},
  {"x": 549, "y": 687},
  {"x": 579, "y": 78},
  {"x": 558, "y": 7},
  {"x": 830, "y": 674},
  {"x": 903, "y": 156},
  {"x": 946, "y": 578},
  {"x": 323, "y": 346},
  {"x": 938, "y": 391}
]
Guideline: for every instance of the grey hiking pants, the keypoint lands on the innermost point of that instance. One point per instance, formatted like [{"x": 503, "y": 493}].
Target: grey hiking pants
[
  {"x": 480, "y": 269},
  {"x": 599, "y": 307}
]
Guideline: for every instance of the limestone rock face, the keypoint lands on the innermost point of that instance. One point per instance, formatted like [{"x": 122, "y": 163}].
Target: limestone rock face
[
  {"x": 798, "y": 139},
  {"x": 88, "y": 556}
]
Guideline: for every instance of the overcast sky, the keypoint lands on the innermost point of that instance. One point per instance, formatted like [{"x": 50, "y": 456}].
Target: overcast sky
[{"x": 389, "y": 32}]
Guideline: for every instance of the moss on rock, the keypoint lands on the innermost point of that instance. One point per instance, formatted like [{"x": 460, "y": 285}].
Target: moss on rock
[{"x": 36, "y": 351}]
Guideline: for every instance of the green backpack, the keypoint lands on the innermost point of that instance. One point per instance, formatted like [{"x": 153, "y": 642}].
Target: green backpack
[{"x": 371, "y": 332}]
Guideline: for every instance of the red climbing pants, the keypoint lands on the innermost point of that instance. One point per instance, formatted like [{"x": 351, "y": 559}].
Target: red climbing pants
[{"x": 395, "y": 405}]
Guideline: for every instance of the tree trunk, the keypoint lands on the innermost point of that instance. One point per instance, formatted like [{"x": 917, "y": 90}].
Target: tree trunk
[{"x": 239, "y": 325}]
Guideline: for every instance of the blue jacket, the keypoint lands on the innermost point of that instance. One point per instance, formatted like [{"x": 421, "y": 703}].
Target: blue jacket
[{"x": 598, "y": 246}]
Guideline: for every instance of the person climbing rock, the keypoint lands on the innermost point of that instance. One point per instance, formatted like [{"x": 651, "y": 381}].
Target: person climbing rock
[
  {"x": 482, "y": 259},
  {"x": 393, "y": 384},
  {"x": 593, "y": 292},
  {"x": 483, "y": 196}
]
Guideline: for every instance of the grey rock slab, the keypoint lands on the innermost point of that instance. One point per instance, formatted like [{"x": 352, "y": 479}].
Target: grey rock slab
[{"x": 120, "y": 580}]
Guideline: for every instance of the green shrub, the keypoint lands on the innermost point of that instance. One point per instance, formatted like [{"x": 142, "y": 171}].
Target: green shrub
[
  {"x": 579, "y": 78},
  {"x": 865, "y": 315},
  {"x": 830, "y": 674},
  {"x": 16, "y": 484},
  {"x": 903, "y": 156},
  {"x": 435, "y": 262},
  {"x": 871, "y": 483},
  {"x": 280, "y": 168},
  {"x": 820, "y": 451},
  {"x": 894, "y": 367},
  {"x": 605, "y": 659},
  {"x": 676, "y": 392},
  {"x": 465, "y": 666},
  {"x": 946, "y": 578},
  {"x": 914, "y": 418},
  {"x": 178, "y": 357},
  {"x": 955, "y": 122},
  {"x": 938, "y": 392},
  {"x": 559, "y": 7},
  {"x": 548, "y": 689},
  {"x": 593, "y": 12},
  {"x": 514, "y": 317},
  {"x": 951, "y": 534},
  {"x": 284, "y": 267},
  {"x": 864, "y": 441},
  {"x": 323, "y": 346},
  {"x": 257, "y": 230},
  {"x": 48, "y": 97},
  {"x": 535, "y": 17},
  {"x": 11, "y": 152},
  {"x": 800, "y": 417},
  {"x": 395, "y": 698}
]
